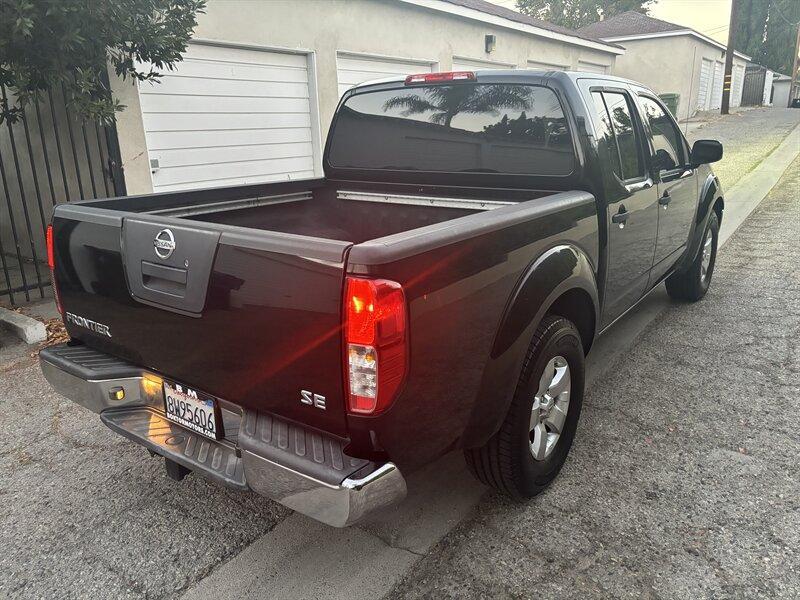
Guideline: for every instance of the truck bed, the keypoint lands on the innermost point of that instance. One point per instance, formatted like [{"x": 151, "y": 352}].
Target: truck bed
[
  {"x": 246, "y": 304},
  {"x": 353, "y": 216}
]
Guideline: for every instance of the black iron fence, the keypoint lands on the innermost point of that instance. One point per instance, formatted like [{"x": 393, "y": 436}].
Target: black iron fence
[
  {"x": 753, "y": 85},
  {"x": 47, "y": 157}
]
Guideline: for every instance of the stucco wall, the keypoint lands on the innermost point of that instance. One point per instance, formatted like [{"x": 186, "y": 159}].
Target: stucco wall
[
  {"x": 669, "y": 65},
  {"x": 780, "y": 95},
  {"x": 381, "y": 27}
]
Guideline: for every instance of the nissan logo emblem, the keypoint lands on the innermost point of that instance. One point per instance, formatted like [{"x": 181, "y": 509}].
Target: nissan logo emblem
[{"x": 164, "y": 244}]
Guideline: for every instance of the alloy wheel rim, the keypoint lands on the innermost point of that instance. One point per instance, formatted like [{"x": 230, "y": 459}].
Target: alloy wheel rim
[
  {"x": 550, "y": 407},
  {"x": 708, "y": 243}
]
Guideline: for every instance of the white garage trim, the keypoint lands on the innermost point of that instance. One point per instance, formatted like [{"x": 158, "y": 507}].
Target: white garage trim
[
  {"x": 353, "y": 68},
  {"x": 464, "y": 63},
  {"x": 232, "y": 114}
]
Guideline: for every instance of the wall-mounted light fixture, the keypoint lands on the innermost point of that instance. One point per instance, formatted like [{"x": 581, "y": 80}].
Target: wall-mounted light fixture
[{"x": 489, "y": 42}]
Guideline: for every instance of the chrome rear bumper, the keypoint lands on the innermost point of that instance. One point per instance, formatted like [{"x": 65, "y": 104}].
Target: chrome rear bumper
[{"x": 311, "y": 475}]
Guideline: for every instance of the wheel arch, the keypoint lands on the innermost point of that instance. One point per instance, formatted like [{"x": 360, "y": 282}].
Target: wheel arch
[
  {"x": 710, "y": 202},
  {"x": 561, "y": 281}
]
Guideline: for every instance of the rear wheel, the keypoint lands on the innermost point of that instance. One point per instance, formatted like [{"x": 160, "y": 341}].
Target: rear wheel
[
  {"x": 692, "y": 284},
  {"x": 530, "y": 448}
]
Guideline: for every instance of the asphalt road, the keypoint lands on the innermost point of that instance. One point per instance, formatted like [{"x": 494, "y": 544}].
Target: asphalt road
[
  {"x": 87, "y": 513},
  {"x": 683, "y": 481},
  {"x": 747, "y": 135}
]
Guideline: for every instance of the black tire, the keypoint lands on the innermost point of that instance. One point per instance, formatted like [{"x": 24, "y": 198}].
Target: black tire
[
  {"x": 691, "y": 285},
  {"x": 505, "y": 462}
]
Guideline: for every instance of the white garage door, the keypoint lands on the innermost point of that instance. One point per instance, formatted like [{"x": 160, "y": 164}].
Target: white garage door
[
  {"x": 716, "y": 93},
  {"x": 736, "y": 85},
  {"x": 471, "y": 64},
  {"x": 704, "y": 85},
  {"x": 544, "y": 66},
  {"x": 229, "y": 116},
  {"x": 352, "y": 69},
  {"x": 591, "y": 67}
]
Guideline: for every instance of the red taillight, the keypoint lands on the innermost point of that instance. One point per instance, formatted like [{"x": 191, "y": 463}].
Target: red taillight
[
  {"x": 51, "y": 264},
  {"x": 439, "y": 77},
  {"x": 51, "y": 259},
  {"x": 375, "y": 343}
]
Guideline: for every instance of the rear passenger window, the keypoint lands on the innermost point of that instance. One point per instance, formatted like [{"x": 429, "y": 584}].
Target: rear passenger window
[
  {"x": 620, "y": 112},
  {"x": 666, "y": 137},
  {"x": 607, "y": 147},
  {"x": 617, "y": 133}
]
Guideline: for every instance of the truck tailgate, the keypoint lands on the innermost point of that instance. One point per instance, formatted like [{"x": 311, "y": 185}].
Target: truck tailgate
[{"x": 251, "y": 317}]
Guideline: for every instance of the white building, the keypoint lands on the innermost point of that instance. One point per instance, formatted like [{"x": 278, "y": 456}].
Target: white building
[
  {"x": 671, "y": 59},
  {"x": 252, "y": 100}
]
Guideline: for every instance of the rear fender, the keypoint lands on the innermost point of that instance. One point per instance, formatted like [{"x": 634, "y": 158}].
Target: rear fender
[{"x": 561, "y": 269}]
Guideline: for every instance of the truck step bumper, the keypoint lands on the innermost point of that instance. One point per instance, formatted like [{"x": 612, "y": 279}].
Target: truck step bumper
[
  {"x": 146, "y": 426},
  {"x": 305, "y": 470}
]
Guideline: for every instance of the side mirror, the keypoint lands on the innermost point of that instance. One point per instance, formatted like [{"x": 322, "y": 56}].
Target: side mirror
[{"x": 705, "y": 152}]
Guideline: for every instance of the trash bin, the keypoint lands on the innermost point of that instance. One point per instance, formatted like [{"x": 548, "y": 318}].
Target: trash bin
[{"x": 671, "y": 102}]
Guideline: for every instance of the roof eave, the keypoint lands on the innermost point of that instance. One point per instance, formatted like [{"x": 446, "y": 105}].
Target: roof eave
[
  {"x": 673, "y": 33},
  {"x": 476, "y": 15}
]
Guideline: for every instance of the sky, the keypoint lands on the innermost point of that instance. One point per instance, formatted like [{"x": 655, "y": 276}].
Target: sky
[{"x": 709, "y": 17}]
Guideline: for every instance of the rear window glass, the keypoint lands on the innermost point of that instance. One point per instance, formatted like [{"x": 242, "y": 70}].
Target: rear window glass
[{"x": 476, "y": 128}]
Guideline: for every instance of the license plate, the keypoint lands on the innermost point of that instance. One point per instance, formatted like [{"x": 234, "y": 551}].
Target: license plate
[{"x": 192, "y": 409}]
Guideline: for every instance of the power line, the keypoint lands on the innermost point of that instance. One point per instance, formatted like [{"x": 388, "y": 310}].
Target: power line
[
  {"x": 780, "y": 14},
  {"x": 715, "y": 29}
]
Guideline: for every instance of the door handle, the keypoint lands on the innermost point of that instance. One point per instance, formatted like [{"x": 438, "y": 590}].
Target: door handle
[
  {"x": 621, "y": 217},
  {"x": 665, "y": 199}
]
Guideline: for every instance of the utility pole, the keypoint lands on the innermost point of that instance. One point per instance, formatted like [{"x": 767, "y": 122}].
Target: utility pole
[
  {"x": 726, "y": 86},
  {"x": 793, "y": 93}
]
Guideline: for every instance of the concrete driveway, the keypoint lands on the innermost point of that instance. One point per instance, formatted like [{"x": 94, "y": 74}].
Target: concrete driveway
[{"x": 87, "y": 513}]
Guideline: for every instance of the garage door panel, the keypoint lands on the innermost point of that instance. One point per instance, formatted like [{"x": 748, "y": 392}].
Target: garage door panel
[
  {"x": 156, "y": 122},
  {"x": 737, "y": 85},
  {"x": 236, "y": 71},
  {"x": 167, "y": 140},
  {"x": 186, "y": 157},
  {"x": 716, "y": 90},
  {"x": 351, "y": 78},
  {"x": 591, "y": 67},
  {"x": 228, "y": 104},
  {"x": 242, "y": 169},
  {"x": 229, "y": 116},
  {"x": 704, "y": 84},
  {"x": 378, "y": 65},
  {"x": 245, "y": 56},
  {"x": 306, "y": 174},
  {"x": 198, "y": 86},
  {"x": 537, "y": 65},
  {"x": 352, "y": 70},
  {"x": 466, "y": 64}
]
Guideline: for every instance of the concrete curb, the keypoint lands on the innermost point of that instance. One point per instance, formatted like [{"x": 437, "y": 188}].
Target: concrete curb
[
  {"x": 28, "y": 329},
  {"x": 744, "y": 197}
]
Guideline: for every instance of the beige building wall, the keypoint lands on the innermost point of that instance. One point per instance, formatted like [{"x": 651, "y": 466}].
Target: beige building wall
[
  {"x": 390, "y": 28},
  {"x": 669, "y": 65}
]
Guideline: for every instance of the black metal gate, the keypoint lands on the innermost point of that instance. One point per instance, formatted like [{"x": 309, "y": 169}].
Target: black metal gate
[
  {"x": 47, "y": 157},
  {"x": 753, "y": 85}
]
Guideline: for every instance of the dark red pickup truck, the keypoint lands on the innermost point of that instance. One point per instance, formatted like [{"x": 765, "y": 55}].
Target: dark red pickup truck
[{"x": 316, "y": 340}]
